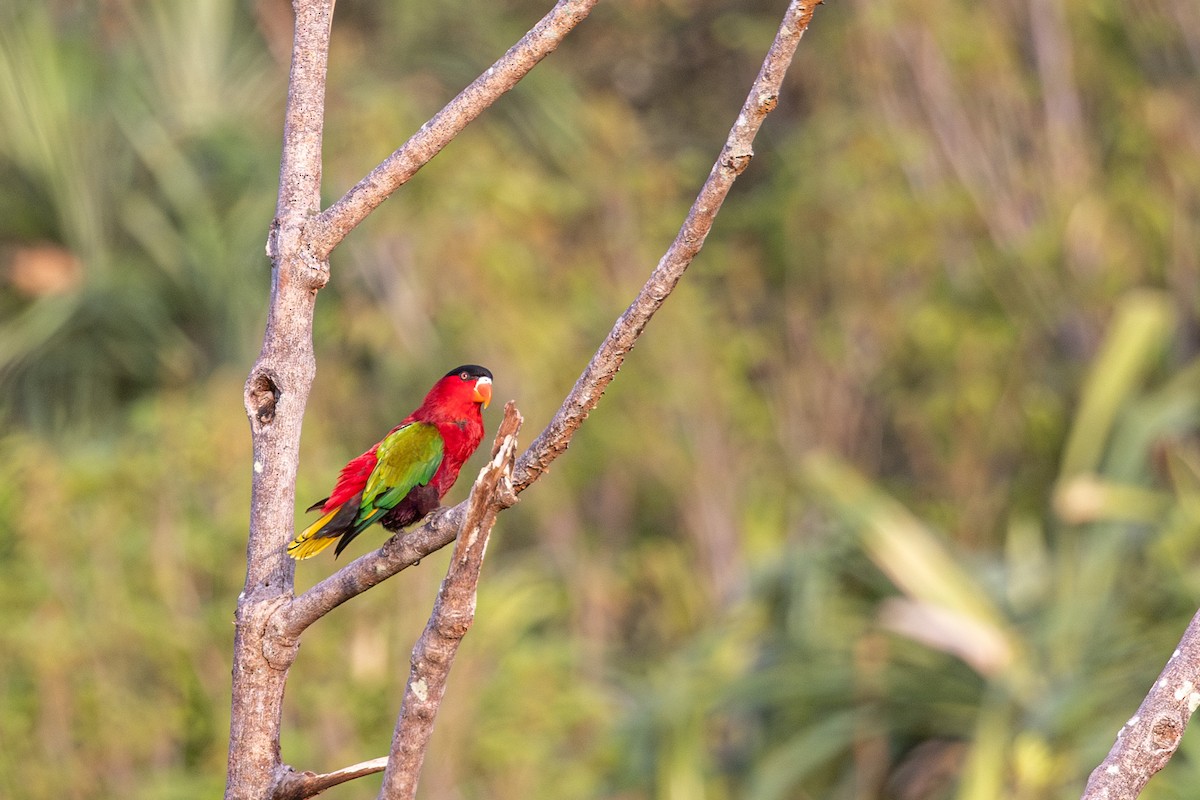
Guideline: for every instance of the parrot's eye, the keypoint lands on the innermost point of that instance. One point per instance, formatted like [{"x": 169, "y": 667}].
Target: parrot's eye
[{"x": 466, "y": 376}]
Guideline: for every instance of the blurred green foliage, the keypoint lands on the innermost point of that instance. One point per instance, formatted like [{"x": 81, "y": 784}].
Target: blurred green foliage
[{"x": 898, "y": 497}]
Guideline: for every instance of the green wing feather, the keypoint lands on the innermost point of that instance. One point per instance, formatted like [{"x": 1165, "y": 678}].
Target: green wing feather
[{"x": 407, "y": 457}]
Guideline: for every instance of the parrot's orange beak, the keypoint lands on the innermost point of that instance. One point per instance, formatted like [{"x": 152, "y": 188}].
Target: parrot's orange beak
[{"x": 483, "y": 391}]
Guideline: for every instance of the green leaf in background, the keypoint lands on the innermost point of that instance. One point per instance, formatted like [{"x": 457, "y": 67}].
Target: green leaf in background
[{"x": 1138, "y": 335}]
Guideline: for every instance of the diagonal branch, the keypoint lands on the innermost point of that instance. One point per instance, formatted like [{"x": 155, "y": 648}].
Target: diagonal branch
[
  {"x": 404, "y": 550},
  {"x": 734, "y": 158},
  {"x": 434, "y": 652},
  {"x": 453, "y": 613},
  {"x": 340, "y": 218},
  {"x": 1148, "y": 740},
  {"x": 401, "y": 551},
  {"x": 269, "y": 620}
]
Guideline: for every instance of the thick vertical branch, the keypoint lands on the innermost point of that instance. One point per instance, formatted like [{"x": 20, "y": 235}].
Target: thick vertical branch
[
  {"x": 453, "y": 613},
  {"x": 276, "y": 393},
  {"x": 1151, "y": 736}
]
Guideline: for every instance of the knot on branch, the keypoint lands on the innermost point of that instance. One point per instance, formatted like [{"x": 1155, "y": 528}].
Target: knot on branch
[
  {"x": 506, "y": 493},
  {"x": 262, "y": 395},
  {"x": 269, "y": 617},
  {"x": 1166, "y": 732},
  {"x": 279, "y": 650},
  {"x": 287, "y": 783},
  {"x": 455, "y": 622},
  {"x": 295, "y": 254},
  {"x": 736, "y": 162},
  {"x": 314, "y": 264}
]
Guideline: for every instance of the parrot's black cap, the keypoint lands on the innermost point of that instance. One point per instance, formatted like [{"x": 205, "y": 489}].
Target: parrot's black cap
[{"x": 470, "y": 371}]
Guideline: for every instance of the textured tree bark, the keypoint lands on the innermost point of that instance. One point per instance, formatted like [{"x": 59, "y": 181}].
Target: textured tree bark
[
  {"x": 1151, "y": 736},
  {"x": 270, "y": 620},
  {"x": 276, "y": 393},
  {"x": 280, "y": 381},
  {"x": 453, "y": 613}
]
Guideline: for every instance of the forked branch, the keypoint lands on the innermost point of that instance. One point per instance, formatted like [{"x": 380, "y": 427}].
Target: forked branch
[
  {"x": 543, "y": 39},
  {"x": 453, "y": 613},
  {"x": 506, "y": 476},
  {"x": 403, "y": 551},
  {"x": 434, "y": 652}
]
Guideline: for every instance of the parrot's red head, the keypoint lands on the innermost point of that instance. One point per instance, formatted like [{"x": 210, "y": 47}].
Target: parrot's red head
[{"x": 461, "y": 387}]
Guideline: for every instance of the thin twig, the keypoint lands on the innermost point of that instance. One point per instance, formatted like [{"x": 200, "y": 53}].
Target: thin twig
[
  {"x": 453, "y": 613},
  {"x": 543, "y": 39},
  {"x": 299, "y": 785},
  {"x": 403, "y": 550},
  {"x": 1148, "y": 740}
]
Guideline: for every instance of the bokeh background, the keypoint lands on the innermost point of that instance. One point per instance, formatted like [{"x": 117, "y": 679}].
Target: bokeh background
[{"x": 899, "y": 497}]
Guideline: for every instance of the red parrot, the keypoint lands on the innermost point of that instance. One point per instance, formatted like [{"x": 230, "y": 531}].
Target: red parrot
[{"x": 405, "y": 475}]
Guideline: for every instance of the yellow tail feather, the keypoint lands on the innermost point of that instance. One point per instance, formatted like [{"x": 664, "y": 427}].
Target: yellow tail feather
[{"x": 305, "y": 546}]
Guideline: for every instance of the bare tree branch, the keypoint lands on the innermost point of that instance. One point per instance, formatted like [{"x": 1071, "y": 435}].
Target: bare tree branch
[
  {"x": 269, "y": 620},
  {"x": 299, "y": 785},
  {"x": 1148, "y": 740},
  {"x": 304, "y": 116},
  {"x": 278, "y": 386},
  {"x": 453, "y": 613},
  {"x": 734, "y": 158},
  {"x": 455, "y": 603},
  {"x": 542, "y": 40},
  {"x": 275, "y": 395},
  {"x": 403, "y": 550}
]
